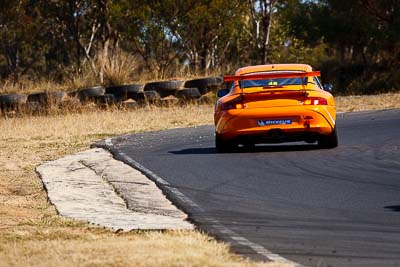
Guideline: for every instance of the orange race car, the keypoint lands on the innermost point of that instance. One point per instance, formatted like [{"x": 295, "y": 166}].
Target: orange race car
[{"x": 274, "y": 104}]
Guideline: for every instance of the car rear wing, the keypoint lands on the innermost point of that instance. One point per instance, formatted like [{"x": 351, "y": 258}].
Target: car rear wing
[{"x": 262, "y": 76}]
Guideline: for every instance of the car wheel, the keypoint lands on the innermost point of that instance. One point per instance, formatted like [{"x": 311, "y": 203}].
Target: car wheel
[
  {"x": 328, "y": 141},
  {"x": 223, "y": 146}
]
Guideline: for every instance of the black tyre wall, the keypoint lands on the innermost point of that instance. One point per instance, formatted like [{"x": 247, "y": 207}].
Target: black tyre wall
[
  {"x": 125, "y": 92},
  {"x": 106, "y": 99},
  {"x": 12, "y": 100},
  {"x": 152, "y": 97},
  {"x": 188, "y": 93},
  {"x": 205, "y": 85},
  {"x": 88, "y": 93},
  {"x": 165, "y": 88},
  {"x": 46, "y": 98}
]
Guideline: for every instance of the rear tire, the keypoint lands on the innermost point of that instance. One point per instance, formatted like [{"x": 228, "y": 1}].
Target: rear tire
[
  {"x": 328, "y": 141},
  {"x": 223, "y": 146}
]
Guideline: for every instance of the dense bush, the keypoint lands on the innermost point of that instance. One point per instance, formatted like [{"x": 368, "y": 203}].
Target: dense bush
[{"x": 355, "y": 43}]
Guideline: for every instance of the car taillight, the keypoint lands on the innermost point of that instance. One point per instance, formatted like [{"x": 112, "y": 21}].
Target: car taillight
[
  {"x": 315, "y": 101},
  {"x": 233, "y": 104}
]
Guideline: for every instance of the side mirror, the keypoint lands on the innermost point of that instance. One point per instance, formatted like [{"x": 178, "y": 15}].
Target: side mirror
[
  {"x": 222, "y": 92},
  {"x": 328, "y": 87}
]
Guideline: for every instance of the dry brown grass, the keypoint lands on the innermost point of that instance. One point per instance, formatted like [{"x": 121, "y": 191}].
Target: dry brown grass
[
  {"x": 119, "y": 69},
  {"x": 134, "y": 249},
  {"x": 28, "y": 86},
  {"x": 31, "y": 232},
  {"x": 367, "y": 102}
]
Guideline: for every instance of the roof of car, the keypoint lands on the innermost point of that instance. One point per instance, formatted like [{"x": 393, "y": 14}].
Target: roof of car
[{"x": 274, "y": 67}]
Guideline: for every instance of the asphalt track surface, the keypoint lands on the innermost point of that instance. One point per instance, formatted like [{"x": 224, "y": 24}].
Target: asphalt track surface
[{"x": 337, "y": 207}]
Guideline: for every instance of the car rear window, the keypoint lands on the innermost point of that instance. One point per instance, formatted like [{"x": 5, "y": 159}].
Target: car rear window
[{"x": 272, "y": 82}]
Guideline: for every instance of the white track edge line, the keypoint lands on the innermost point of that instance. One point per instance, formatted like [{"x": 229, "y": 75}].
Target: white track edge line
[
  {"x": 108, "y": 142},
  {"x": 259, "y": 249}
]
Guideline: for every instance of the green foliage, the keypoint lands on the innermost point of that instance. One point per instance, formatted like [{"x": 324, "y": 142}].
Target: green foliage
[
  {"x": 21, "y": 35},
  {"x": 356, "y": 44},
  {"x": 361, "y": 39}
]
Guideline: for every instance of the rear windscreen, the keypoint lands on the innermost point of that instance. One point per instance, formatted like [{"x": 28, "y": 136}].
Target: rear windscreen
[{"x": 272, "y": 82}]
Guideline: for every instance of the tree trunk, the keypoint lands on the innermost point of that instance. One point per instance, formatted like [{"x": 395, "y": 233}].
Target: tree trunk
[
  {"x": 267, "y": 10},
  {"x": 195, "y": 61},
  {"x": 12, "y": 58},
  {"x": 203, "y": 60},
  {"x": 106, "y": 36},
  {"x": 75, "y": 28},
  {"x": 261, "y": 13}
]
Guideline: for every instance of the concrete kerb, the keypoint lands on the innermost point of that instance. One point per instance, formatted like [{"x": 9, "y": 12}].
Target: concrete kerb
[
  {"x": 212, "y": 226},
  {"x": 170, "y": 192},
  {"x": 88, "y": 186}
]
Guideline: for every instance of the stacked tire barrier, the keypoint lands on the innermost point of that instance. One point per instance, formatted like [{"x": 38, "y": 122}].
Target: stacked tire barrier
[{"x": 161, "y": 93}]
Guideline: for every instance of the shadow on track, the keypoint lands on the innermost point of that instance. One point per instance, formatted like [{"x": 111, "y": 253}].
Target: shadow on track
[{"x": 257, "y": 149}]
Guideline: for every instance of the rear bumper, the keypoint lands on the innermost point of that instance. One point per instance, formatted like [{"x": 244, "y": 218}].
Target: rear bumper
[{"x": 242, "y": 125}]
